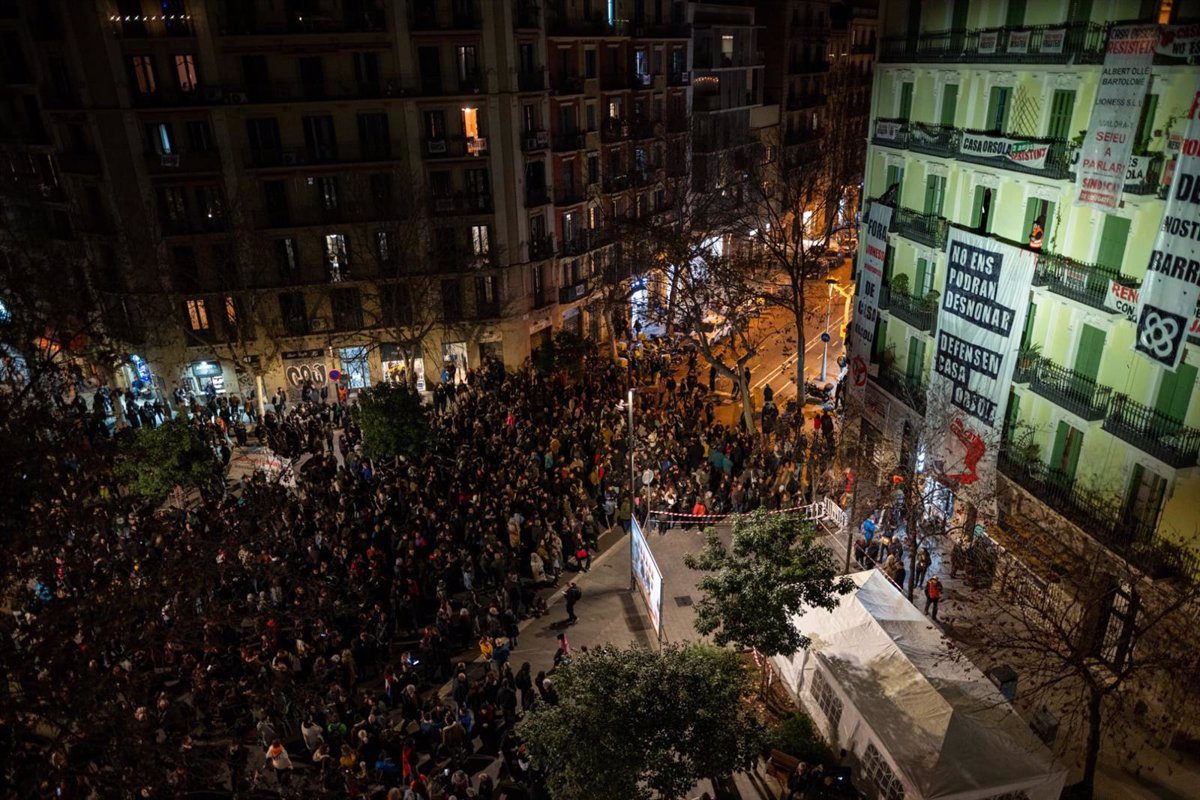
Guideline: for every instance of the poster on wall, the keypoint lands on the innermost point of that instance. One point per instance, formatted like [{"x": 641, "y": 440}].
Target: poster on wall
[
  {"x": 304, "y": 366},
  {"x": 1166, "y": 303},
  {"x": 1104, "y": 157},
  {"x": 980, "y": 320},
  {"x": 866, "y": 297},
  {"x": 646, "y": 575}
]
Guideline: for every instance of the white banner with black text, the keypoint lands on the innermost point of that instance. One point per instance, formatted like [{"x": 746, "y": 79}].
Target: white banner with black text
[
  {"x": 871, "y": 259},
  {"x": 980, "y": 320},
  {"x": 1167, "y": 299},
  {"x": 1104, "y": 157}
]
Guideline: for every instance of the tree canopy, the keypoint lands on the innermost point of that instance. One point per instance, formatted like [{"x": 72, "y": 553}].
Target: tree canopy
[
  {"x": 394, "y": 421},
  {"x": 637, "y": 723},
  {"x": 153, "y": 461},
  {"x": 773, "y": 569}
]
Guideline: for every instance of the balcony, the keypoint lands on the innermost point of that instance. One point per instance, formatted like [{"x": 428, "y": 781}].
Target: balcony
[
  {"x": 928, "y": 229},
  {"x": 157, "y": 25},
  {"x": 614, "y": 130},
  {"x": 532, "y": 141},
  {"x": 534, "y": 81},
  {"x": 616, "y": 183},
  {"x": 576, "y": 291},
  {"x": 1096, "y": 516},
  {"x": 455, "y": 147},
  {"x": 907, "y": 389},
  {"x": 461, "y": 203},
  {"x": 541, "y": 248},
  {"x": 79, "y": 162},
  {"x": 527, "y": 15},
  {"x": 566, "y": 85},
  {"x": 567, "y": 142},
  {"x": 1150, "y": 182},
  {"x": 796, "y": 102},
  {"x": 1077, "y": 393},
  {"x": 568, "y": 196},
  {"x": 293, "y": 92},
  {"x": 679, "y": 78},
  {"x": 1153, "y": 432},
  {"x": 582, "y": 242},
  {"x": 614, "y": 81},
  {"x": 434, "y": 85},
  {"x": 536, "y": 196},
  {"x": 586, "y": 29},
  {"x": 920, "y": 312},
  {"x": 1078, "y": 280},
  {"x": 183, "y": 163},
  {"x": 799, "y": 137},
  {"x": 1074, "y": 42},
  {"x": 933, "y": 140},
  {"x": 287, "y": 158},
  {"x": 1049, "y": 158},
  {"x": 311, "y": 214},
  {"x": 425, "y": 19},
  {"x": 890, "y": 132},
  {"x": 1056, "y": 162},
  {"x": 1027, "y": 362},
  {"x": 367, "y": 20}
]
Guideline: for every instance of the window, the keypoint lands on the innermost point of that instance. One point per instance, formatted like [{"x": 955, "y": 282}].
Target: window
[
  {"x": 1064, "y": 458},
  {"x": 1113, "y": 237},
  {"x": 589, "y": 63},
  {"x": 346, "y": 309},
  {"x": 197, "y": 313},
  {"x": 185, "y": 72},
  {"x": 1116, "y": 634},
  {"x": 210, "y": 203},
  {"x": 590, "y": 116},
  {"x": 162, "y": 140},
  {"x": 172, "y": 205},
  {"x": 435, "y": 125},
  {"x": 529, "y": 117},
  {"x": 200, "y": 138},
  {"x": 906, "y": 96},
  {"x": 293, "y": 313},
  {"x": 467, "y": 62},
  {"x": 263, "y": 136},
  {"x": 380, "y": 185},
  {"x": 366, "y": 69},
  {"x": 275, "y": 202},
  {"x": 593, "y": 167},
  {"x": 319, "y": 137},
  {"x": 485, "y": 295},
  {"x": 335, "y": 256},
  {"x": 451, "y": 300},
  {"x": 935, "y": 194},
  {"x": 470, "y": 122},
  {"x": 143, "y": 74},
  {"x": 480, "y": 244},
  {"x": 727, "y": 50},
  {"x": 829, "y": 703},
  {"x": 327, "y": 192},
  {"x": 183, "y": 259},
  {"x": 383, "y": 246},
  {"x": 396, "y": 302},
  {"x": 373, "y": 136},
  {"x": 286, "y": 257},
  {"x": 231, "y": 313},
  {"x": 1061, "y": 107},
  {"x": 998, "y": 109},
  {"x": 877, "y": 771}
]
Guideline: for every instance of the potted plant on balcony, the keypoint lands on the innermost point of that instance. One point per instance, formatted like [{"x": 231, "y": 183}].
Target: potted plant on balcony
[
  {"x": 930, "y": 301},
  {"x": 900, "y": 284}
]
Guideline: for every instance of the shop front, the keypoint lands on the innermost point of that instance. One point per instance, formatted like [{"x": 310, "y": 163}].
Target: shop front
[
  {"x": 356, "y": 367},
  {"x": 303, "y": 368},
  {"x": 539, "y": 334},
  {"x": 395, "y": 366},
  {"x": 573, "y": 321},
  {"x": 491, "y": 346},
  {"x": 454, "y": 362},
  {"x": 205, "y": 377}
]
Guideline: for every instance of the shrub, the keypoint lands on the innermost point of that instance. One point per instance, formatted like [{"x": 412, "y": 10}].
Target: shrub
[{"x": 798, "y": 736}]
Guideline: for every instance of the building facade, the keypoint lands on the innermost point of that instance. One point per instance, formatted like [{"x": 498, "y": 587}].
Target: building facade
[
  {"x": 335, "y": 185},
  {"x": 1098, "y": 436}
]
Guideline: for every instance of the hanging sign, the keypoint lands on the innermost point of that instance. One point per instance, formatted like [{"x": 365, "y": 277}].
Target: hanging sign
[
  {"x": 987, "y": 42},
  {"x": 888, "y": 131},
  {"x": 980, "y": 320},
  {"x": 1179, "y": 41},
  {"x": 1018, "y": 42},
  {"x": 1167, "y": 301},
  {"x": 1104, "y": 157},
  {"x": 870, "y": 278},
  {"x": 1053, "y": 40},
  {"x": 1017, "y": 151}
]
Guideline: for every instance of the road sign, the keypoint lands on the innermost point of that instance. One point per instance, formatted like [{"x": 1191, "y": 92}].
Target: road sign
[
  {"x": 825, "y": 337},
  {"x": 860, "y": 371},
  {"x": 335, "y": 375}
]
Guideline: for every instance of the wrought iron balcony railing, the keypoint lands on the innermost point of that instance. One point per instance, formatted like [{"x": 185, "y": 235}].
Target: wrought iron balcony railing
[{"x": 1153, "y": 432}]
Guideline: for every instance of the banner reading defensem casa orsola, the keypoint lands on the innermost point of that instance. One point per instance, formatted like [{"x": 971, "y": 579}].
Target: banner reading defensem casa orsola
[
  {"x": 1167, "y": 300},
  {"x": 866, "y": 300},
  {"x": 980, "y": 320},
  {"x": 1104, "y": 158}
]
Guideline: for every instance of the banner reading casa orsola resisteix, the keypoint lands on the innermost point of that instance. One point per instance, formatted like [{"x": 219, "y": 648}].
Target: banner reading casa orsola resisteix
[
  {"x": 1167, "y": 300},
  {"x": 1105, "y": 154},
  {"x": 980, "y": 320},
  {"x": 866, "y": 298}
]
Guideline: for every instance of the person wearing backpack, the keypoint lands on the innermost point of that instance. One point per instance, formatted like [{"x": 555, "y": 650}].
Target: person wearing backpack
[
  {"x": 572, "y": 594},
  {"x": 933, "y": 596}
]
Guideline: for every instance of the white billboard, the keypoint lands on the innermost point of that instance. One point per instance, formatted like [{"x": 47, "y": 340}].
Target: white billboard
[{"x": 646, "y": 574}]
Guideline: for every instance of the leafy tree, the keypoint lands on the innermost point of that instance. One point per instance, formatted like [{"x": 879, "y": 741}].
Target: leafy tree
[
  {"x": 394, "y": 421},
  {"x": 153, "y": 461},
  {"x": 773, "y": 569},
  {"x": 638, "y": 723}
]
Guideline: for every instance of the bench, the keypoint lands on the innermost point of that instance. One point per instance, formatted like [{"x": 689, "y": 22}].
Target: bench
[{"x": 780, "y": 766}]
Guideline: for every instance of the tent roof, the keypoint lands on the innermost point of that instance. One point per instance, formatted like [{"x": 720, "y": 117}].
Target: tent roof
[{"x": 946, "y": 727}]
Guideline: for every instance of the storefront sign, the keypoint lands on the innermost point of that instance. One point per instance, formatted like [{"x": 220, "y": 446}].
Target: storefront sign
[
  {"x": 987, "y": 42},
  {"x": 1053, "y": 40},
  {"x": 1167, "y": 302},
  {"x": 1180, "y": 41},
  {"x": 206, "y": 369},
  {"x": 1104, "y": 157},
  {"x": 979, "y": 324},
  {"x": 887, "y": 130},
  {"x": 1018, "y": 42},
  {"x": 870, "y": 278},
  {"x": 1017, "y": 151}
]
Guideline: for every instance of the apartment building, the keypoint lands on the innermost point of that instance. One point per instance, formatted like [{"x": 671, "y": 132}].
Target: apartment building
[
  {"x": 1099, "y": 436},
  {"x": 264, "y": 193}
]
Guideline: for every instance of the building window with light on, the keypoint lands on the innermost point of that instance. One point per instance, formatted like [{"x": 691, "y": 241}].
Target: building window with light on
[
  {"x": 185, "y": 72},
  {"x": 727, "y": 50},
  {"x": 335, "y": 256},
  {"x": 143, "y": 74},
  {"x": 197, "y": 313},
  {"x": 480, "y": 240}
]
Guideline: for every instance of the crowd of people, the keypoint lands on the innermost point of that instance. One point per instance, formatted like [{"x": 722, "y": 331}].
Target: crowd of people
[{"x": 306, "y": 644}]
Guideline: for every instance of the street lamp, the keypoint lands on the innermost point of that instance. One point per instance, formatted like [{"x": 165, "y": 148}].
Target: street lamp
[{"x": 825, "y": 337}]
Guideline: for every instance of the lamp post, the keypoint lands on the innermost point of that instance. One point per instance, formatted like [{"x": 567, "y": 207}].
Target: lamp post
[{"x": 830, "y": 283}]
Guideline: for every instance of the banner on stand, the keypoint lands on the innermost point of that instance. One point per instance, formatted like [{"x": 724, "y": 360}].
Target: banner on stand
[
  {"x": 1167, "y": 301},
  {"x": 980, "y": 320},
  {"x": 1104, "y": 157},
  {"x": 866, "y": 297}
]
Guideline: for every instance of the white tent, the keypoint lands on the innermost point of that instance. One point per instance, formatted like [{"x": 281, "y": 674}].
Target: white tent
[{"x": 921, "y": 721}]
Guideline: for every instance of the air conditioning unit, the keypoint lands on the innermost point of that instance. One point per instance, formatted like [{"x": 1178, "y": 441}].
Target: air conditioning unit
[
  {"x": 477, "y": 145},
  {"x": 436, "y": 146},
  {"x": 169, "y": 160},
  {"x": 318, "y": 324},
  {"x": 237, "y": 97},
  {"x": 543, "y": 138}
]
